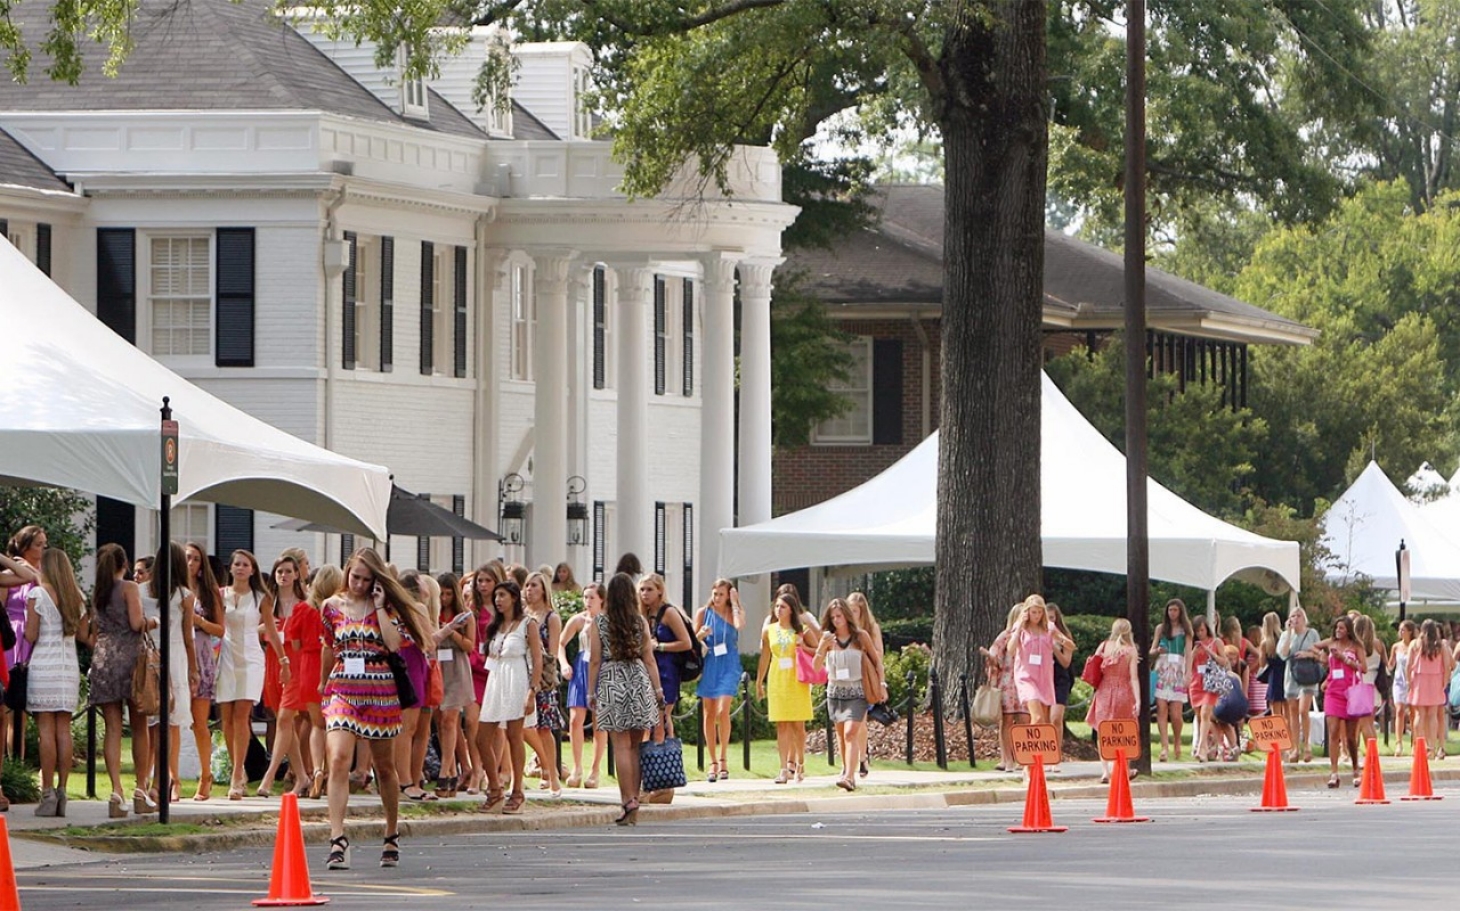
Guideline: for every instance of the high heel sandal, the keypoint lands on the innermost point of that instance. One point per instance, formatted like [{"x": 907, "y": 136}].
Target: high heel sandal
[
  {"x": 591, "y": 781},
  {"x": 784, "y": 777},
  {"x": 390, "y": 854},
  {"x": 630, "y": 815},
  {"x": 514, "y": 803},
  {"x": 142, "y": 804},
  {"x": 493, "y": 803},
  {"x": 1333, "y": 780},
  {"x": 116, "y": 808},
  {"x": 205, "y": 787},
  {"x": 800, "y": 771},
  {"x": 316, "y": 787},
  {"x": 714, "y": 773},
  {"x": 339, "y": 858}
]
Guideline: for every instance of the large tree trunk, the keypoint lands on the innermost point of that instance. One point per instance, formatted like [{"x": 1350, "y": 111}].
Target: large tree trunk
[{"x": 993, "y": 120}]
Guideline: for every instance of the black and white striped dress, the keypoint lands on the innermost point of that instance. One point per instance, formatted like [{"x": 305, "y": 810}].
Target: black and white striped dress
[{"x": 625, "y": 696}]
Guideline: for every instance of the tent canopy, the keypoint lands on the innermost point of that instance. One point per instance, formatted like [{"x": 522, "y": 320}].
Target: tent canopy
[
  {"x": 1363, "y": 528},
  {"x": 81, "y": 410},
  {"x": 891, "y": 519}
]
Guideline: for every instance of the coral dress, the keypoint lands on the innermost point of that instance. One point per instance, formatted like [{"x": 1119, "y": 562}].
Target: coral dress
[
  {"x": 787, "y": 699},
  {"x": 1114, "y": 699},
  {"x": 305, "y": 627},
  {"x": 1426, "y": 683}
]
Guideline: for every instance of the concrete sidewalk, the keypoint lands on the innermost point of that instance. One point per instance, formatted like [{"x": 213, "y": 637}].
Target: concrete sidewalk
[{"x": 888, "y": 787}]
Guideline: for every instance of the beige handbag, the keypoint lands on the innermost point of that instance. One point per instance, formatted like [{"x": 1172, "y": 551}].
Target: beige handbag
[
  {"x": 988, "y": 705},
  {"x": 145, "y": 675}
]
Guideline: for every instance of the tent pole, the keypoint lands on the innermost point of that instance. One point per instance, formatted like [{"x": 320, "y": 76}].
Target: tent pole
[{"x": 1212, "y": 611}]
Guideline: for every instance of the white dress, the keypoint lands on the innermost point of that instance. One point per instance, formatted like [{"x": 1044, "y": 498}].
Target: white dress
[
  {"x": 241, "y": 657},
  {"x": 54, "y": 684},
  {"x": 179, "y": 694},
  {"x": 507, "y": 677}
]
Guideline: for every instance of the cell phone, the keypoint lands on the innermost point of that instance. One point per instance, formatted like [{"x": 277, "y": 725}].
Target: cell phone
[{"x": 460, "y": 619}]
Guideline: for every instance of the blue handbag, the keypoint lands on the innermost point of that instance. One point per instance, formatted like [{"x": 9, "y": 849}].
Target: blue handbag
[{"x": 661, "y": 764}]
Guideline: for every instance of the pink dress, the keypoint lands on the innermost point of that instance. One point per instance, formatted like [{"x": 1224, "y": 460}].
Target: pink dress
[
  {"x": 1034, "y": 667},
  {"x": 1427, "y": 680},
  {"x": 1114, "y": 699},
  {"x": 1340, "y": 678}
]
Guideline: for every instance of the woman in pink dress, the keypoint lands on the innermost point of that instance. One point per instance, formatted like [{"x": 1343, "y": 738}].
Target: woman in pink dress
[
  {"x": 1031, "y": 648},
  {"x": 1346, "y": 664},
  {"x": 1000, "y": 672},
  {"x": 1115, "y": 699},
  {"x": 1429, "y": 669}
]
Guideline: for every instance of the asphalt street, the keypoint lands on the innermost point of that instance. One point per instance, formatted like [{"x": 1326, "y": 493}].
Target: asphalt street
[{"x": 1197, "y": 852}]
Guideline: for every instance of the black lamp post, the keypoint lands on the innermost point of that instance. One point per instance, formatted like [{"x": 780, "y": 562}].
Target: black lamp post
[
  {"x": 513, "y": 527},
  {"x": 577, "y": 512}
]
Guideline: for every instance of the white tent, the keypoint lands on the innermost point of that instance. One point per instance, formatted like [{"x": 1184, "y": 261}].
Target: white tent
[
  {"x": 80, "y": 409},
  {"x": 1364, "y": 526},
  {"x": 890, "y": 519},
  {"x": 1426, "y": 483}
]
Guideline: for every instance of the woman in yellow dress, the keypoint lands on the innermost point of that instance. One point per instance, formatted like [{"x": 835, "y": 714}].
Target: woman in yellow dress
[{"x": 789, "y": 705}]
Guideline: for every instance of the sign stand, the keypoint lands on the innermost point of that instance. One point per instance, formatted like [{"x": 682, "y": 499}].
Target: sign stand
[
  {"x": 164, "y": 569},
  {"x": 1035, "y": 744},
  {"x": 1116, "y": 738},
  {"x": 1272, "y": 732}
]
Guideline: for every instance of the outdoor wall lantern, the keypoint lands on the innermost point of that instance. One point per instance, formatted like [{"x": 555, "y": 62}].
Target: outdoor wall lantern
[
  {"x": 577, "y": 512},
  {"x": 513, "y": 527}
]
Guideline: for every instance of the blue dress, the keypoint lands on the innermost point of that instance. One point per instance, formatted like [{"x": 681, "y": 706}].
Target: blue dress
[
  {"x": 721, "y": 676},
  {"x": 578, "y": 685}
]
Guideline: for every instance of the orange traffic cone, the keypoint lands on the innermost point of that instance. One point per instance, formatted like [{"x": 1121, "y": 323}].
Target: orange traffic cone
[
  {"x": 1371, "y": 786},
  {"x": 1274, "y": 786},
  {"x": 289, "y": 884},
  {"x": 1419, "y": 775},
  {"x": 1037, "y": 817},
  {"x": 1118, "y": 807},
  {"x": 9, "y": 894}
]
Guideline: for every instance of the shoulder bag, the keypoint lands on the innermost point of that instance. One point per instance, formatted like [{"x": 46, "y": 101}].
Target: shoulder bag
[
  {"x": 404, "y": 689},
  {"x": 806, "y": 671},
  {"x": 661, "y": 764},
  {"x": 145, "y": 671},
  {"x": 988, "y": 705},
  {"x": 1094, "y": 670},
  {"x": 1306, "y": 671}
]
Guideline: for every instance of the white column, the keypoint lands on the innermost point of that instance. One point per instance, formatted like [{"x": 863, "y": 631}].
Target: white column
[
  {"x": 755, "y": 424},
  {"x": 717, "y": 412},
  {"x": 755, "y": 391},
  {"x": 634, "y": 510},
  {"x": 552, "y": 350}
]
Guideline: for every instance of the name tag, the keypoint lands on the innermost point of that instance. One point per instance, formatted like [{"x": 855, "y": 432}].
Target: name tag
[
  {"x": 722, "y": 650},
  {"x": 1171, "y": 659},
  {"x": 1036, "y": 659},
  {"x": 354, "y": 666},
  {"x": 444, "y": 655},
  {"x": 844, "y": 673},
  {"x": 785, "y": 664},
  {"x": 1338, "y": 673}
]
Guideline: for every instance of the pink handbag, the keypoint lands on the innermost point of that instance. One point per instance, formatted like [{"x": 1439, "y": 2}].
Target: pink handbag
[{"x": 806, "y": 671}]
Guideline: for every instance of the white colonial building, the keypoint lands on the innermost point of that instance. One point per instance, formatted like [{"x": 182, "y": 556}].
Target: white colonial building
[{"x": 377, "y": 267}]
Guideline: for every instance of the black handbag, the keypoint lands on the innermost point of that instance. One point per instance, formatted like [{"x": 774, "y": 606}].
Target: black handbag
[
  {"x": 882, "y": 713},
  {"x": 409, "y": 698},
  {"x": 1307, "y": 671},
  {"x": 16, "y": 692}
]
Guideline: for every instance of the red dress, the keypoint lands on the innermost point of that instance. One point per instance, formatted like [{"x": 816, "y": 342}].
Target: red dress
[
  {"x": 1114, "y": 700},
  {"x": 306, "y": 627}
]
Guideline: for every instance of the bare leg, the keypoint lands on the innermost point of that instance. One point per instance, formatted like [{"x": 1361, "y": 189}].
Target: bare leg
[
  {"x": 383, "y": 753},
  {"x": 419, "y": 743},
  {"x": 340, "y": 747},
  {"x": 626, "y": 763},
  {"x": 46, "y": 722},
  {"x": 141, "y": 749},
  {"x": 202, "y": 739},
  {"x": 478, "y": 763},
  {"x": 111, "y": 746},
  {"x": 64, "y": 748},
  {"x": 284, "y": 747},
  {"x": 402, "y": 747},
  {"x": 516, "y": 753},
  {"x": 1174, "y": 715},
  {"x": 448, "y": 724}
]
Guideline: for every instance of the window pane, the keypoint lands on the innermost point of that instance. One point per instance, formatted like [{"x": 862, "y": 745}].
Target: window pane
[{"x": 181, "y": 295}]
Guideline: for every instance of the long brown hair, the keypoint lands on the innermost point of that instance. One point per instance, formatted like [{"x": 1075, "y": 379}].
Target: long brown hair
[
  {"x": 395, "y": 594},
  {"x": 847, "y": 612},
  {"x": 56, "y": 571},
  {"x": 111, "y": 559},
  {"x": 273, "y": 583},
  {"x": 1164, "y": 630},
  {"x": 161, "y": 588},
  {"x": 625, "y": 620},
  {"x": 21, "y": 541},
  {"x": 206, "y": 589}
]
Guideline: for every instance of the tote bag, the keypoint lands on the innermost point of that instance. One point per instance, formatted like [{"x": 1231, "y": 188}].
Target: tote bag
[
  {"x": 988, "y": 705},
  {"x": 661, "y": 764}
]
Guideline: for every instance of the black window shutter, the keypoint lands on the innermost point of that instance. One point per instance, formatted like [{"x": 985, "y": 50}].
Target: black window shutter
[
  {"x": 233, "y": 529},
  {"x": 5, "y": 227},
  {"x": 43, "y": 247},
  {"x": 688, "y": 333},
  {"x": 116, "y": 524},
  {"x": 116, "y": 280},
  {"x": 661, "y": 317},
  {"x": 235, "y": 302},
  {"x": 600, "y": 538},
  {"x": 428, "y": 322},
  {"x": 387, "y": 303},
  {"x": 661, "y": 533},
  {"x": 689, "y": 549},
  {"x": 458, "y": 545},
  {"x": 458, "y": 340},
  {"x": 423, "y": 544},
  {"x": 600, "y": 326},
  {"x": 887, "y": 391},
  {"x": 347, "y": 547},
  {"x": 347, "y": 311}
]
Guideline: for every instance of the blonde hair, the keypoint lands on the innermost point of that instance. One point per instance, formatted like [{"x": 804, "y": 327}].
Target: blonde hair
[
  {"x": 57, "y": 572},
  {"x": 328, "y": 580},
  {"x": 1120, "y": 633},
  {"x": 1272, "y": 631}
]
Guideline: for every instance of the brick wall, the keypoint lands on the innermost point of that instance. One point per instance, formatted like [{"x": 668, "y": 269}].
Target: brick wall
[{"x": 806, "y": 475}]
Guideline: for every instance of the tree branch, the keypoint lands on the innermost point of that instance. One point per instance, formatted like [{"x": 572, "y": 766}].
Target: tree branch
[{"x": 495, "y": 12}]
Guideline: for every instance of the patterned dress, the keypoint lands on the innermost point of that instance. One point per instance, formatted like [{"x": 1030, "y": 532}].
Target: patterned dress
[
  {"x": 549, "y": 716},
  {"x": 206, "y": 649},
  {"x": 116, "y": 650},
  {"x": 1114, "y": 700},
  {"x": 359, "y": 698},
  {"x": 55, "y": 677},
  {"x": 625, "y": 696}
]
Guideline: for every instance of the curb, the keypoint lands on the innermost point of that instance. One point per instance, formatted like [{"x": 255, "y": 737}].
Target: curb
[{"x": 364, "y": 830}]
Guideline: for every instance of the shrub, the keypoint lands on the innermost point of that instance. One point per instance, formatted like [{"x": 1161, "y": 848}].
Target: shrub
[
  {"x": 19, "y": 782},
  {"x": 911, "y": 659}
]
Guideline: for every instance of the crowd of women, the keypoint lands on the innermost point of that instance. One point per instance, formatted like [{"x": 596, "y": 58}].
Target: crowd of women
[{"x": 1226, "y": 674}]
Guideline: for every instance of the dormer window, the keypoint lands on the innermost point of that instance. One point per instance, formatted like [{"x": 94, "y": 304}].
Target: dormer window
[
  {"x": 582, "y": 116},
  {"x": 412, "y": 93}
]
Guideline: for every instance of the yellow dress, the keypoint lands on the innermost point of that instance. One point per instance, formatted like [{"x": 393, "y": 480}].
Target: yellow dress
[{"x": 787, "y": 698}]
